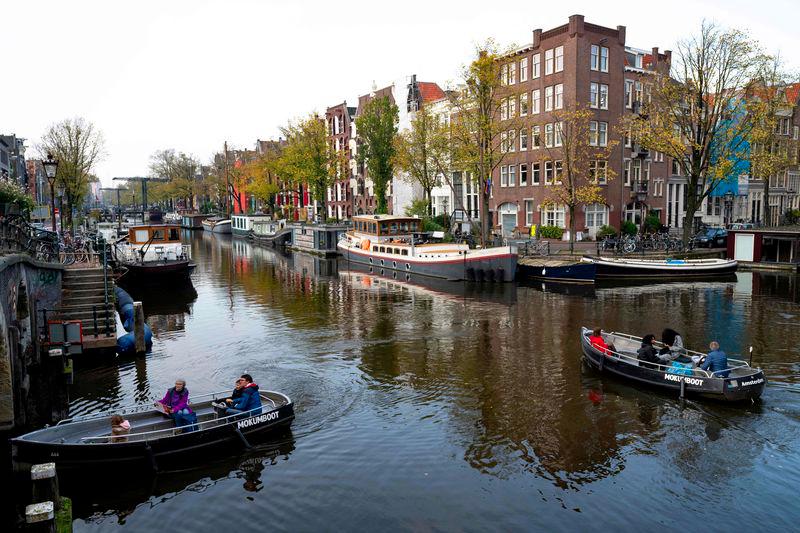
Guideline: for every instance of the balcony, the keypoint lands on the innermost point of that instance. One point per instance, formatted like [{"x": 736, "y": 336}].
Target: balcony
[{"x": 639, "y": 190}]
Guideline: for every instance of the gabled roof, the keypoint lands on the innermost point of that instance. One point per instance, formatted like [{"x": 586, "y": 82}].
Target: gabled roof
[
  {"x": 430, "y": 91},
  {"x": 793, "y": 93}
]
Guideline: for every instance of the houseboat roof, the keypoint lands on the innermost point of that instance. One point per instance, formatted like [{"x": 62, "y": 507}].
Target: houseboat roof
[{"x": 383, "y": 218}]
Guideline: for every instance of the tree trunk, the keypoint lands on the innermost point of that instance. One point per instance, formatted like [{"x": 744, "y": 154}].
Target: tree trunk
[
  {"x": 767, "y": 220},
  {"x": 430, "y": 201},
  {"x": 691, "y": 209},
  {"x": 571, "y": 229}
]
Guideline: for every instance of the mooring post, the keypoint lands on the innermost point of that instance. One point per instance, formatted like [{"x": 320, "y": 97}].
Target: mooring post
[
  {"x": 40, "y": 517},
  {"x": 683, "y": 387},
  {"x": 138, "y": 327}
]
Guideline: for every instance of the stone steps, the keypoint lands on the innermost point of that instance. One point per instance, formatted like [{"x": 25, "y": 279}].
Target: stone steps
[{"x": 84, "y": 296}]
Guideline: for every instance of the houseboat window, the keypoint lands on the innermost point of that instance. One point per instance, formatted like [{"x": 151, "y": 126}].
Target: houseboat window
[
  {"x": 374, "y": 248},
  {"x": 158, "y": 234},
  {"x": 404, "y": 227},
  {"x": 141, "y": 235},
  {"x": 394, "y": 227},
  {"x": 173, "y": 234},
  {"x": 383, "y": 250},
  {"x": 384, "y": 228},
  {"x": 404, "y": 252},
  {"x": 415, "y": 226}
]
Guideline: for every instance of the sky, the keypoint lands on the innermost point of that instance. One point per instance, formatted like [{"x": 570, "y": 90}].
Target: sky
[{"x": 190, "y": 75}]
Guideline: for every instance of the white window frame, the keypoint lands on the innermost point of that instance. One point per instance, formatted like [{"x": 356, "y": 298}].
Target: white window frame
[
  {"x": 593, "y": 133},
  {"x": 523, "y": 69},
  {"x": 536, "y": 101},
  {"x": 558, "y": 96},
  {"x": 549, "y": 135},
  {"x": 558, "y": 134},
  {"x": 529, "y": 212},
  {"x": 554, "y": 215},
  {"x": 548, "y": 98},
  {"x": 536, "y": 66},
  {"x": 536, "y": 173},
  {"x": 512, "y": 73},
  {"x": 512, "y": 175},
  {"x": 523, "y": 104},
  {"x": 523, "y": 174},
  {"x": 523, "y": 139},
  {"x": 629, "y": 94},
  {"x": 512, "y": 140},
  {"x": 594, "y": 57},
  {"x": 503, "y": 142},
  {"x": 603, "y": 59},
  {"x": 594, "y": 95},
  {"x": 536, "y": 137},
  {"x": 504, "y": 176},
  {"x": 559, "y": 58},
  {"x": 548, "y": 172},
  {"x": 548, "y": 62},
  {"x": 602, "y": 133},
  {"x": 603, "y": 96}
]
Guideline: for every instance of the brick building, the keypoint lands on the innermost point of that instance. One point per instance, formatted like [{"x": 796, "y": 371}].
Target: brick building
[
  {"x": 574, "y": 65},
  {"x": 339, "y": 121}
]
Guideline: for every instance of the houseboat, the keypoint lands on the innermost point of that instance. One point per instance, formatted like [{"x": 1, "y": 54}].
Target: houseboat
[
  {"x": 242, "y": 225},
  {"x": 192, "y": 220},
  {"x": 217, "y": 225},
  {"x": 271, "y": 232},
  {"x": 154, "y": 252},
  {"x": 389, "y": 242}
]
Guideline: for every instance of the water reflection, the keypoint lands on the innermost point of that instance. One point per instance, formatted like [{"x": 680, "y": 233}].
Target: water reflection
[{"x": 434, "y": 394}]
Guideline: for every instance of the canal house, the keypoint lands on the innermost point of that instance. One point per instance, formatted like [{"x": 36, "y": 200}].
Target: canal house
[{"x": 772, "y": 248}]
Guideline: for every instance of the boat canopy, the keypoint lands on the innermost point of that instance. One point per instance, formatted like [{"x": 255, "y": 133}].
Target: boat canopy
[
  {"x": 385, "y": 225},
  {"x": 154, "y": 234}
]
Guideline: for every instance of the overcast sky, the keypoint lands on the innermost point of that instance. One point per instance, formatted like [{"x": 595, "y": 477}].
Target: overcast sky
[{"x": 191, "y": 74}]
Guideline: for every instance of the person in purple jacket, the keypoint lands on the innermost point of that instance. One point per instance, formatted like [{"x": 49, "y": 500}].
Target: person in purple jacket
[{"x": 176, "y": 405}]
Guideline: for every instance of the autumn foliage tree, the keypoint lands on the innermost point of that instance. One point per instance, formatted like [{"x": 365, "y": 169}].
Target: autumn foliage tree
[
  {"x": 377, "y": 128},
  {"x": 580, "y": 163},
  {"x": 698, "y": 115}
]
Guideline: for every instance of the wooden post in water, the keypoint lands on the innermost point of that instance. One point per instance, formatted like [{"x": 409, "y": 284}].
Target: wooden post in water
[
  {"x": 138, "y": 327},
  {"x": 40, "y": 515}
]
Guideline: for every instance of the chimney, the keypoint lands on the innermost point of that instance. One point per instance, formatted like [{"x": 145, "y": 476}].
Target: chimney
[
  {"x": 621, "y": 34},
  {"x": 655, "y": 57},
  {"x": 537, "y": 38},
  {"x": 668, "y": 56},
  {"x": 575, "y": 25}
]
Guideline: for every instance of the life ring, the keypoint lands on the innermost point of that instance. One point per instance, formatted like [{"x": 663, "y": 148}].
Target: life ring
[{"x": 365, "y": 244}]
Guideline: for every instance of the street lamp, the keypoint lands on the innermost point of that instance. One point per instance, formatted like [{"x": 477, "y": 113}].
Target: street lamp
[{"x": 50, "y": 167}]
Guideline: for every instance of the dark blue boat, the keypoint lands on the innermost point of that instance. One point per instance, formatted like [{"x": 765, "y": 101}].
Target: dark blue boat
[{"x": 557, "y": 270}]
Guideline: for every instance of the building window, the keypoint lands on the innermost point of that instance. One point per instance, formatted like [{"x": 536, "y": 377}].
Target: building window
[
  {"x": 559, "y": 58},
  {"x": 512, "y": 175},
  {"x": 536, "y": 137},
  {"x": 512, "y": 73},
  {"x": 594, "y": 95},
  {"x": 559, "y": 96},
  {"x": 629, "y": 94},
  {"x": 523, "y": 69},
  {"x": 548, "y": 172},
  {"x": 598, "y": 171},
  {"x": 603, "y": 96},
  {"x": 504, "y": 109},
  {"x": 548, "y": 62},
  {"x": 523, "y": 104},
  {"x": 596, "y": 216},
  {"x": 512, "y": 107},
  {"x": 504, "y": 176},
  {"x": 638, "y": 95},
  {"x": 536, "y": 100},
  {"x": 536, "y": 66},
  {"x": 535, "y": 173},
  {"x": 548, "y": 98},
  {"x": 504, "y": 74},
  {"x": 503, "y": 142},
  {"x": 598, "y": 133},
  {"x": 599, "y": 58},
  {"x": 512, "y": 141},
  {"x": 559, "y": 171},
  {"x": 523, "y": 175},
  {"x": 636, "y": 170},
  {"x": 548, "y": 135},
  {"x": 553, "y": 215},
  {"x": 529, "y": 213},
  {"x": 626, "y": 172},
  {"x": 523, "y": 139},
  {"x": 559, "y": 134}
]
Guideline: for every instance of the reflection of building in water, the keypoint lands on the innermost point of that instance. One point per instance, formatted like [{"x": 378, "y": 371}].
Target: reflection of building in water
[{"x": 166, "y": 323}]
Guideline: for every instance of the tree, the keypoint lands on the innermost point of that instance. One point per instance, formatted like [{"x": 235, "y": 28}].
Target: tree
[
  {"x": 583, "y": 163},
  {"x": 697, "y": 117},
  {"x": 773, "y": 150},
  {"x": 79, "y": 147},
  {"x": 377, "y": 128},
  {"x": 419, "y": 150},
  {"x": 180, "y": 171},
  {"x": 478, "y": 127},
  {"x": 308, "y": 158}
]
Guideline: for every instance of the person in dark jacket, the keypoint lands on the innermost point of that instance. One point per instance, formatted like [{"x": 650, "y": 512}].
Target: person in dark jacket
[
  {"x": 249, "y": 401},
  {"x": 648, "y": 356},
  {"x": 716, "y": 361}
]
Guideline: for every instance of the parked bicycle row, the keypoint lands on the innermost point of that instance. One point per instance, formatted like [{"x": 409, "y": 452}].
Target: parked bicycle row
[{"x": 17, "y": 234}]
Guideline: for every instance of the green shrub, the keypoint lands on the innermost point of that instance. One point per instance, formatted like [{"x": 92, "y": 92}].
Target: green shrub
[
  {"x": 550, "y": 232},
  {"x": 606, "y": 231},
  {"x": 628, "y": 228},
  {"x": 652, "y": 223},
  {"x": 13, "y": 193},
  {"x": 418, "y": 208},
  {"x": 430, "y": 225}
]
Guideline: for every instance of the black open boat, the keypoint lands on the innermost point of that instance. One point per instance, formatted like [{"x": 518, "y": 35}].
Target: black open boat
[
  {"x": 154, "y": 442},
  {"x": 744, "y": 383}
]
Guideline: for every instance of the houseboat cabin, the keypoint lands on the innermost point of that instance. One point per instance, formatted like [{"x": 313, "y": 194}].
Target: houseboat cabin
[{"x": 154, "y": 234}]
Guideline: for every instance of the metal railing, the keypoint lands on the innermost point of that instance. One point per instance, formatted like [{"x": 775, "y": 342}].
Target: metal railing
[
  {"x": 17, "y": 235},
  {"x": 700, "y": 371}
]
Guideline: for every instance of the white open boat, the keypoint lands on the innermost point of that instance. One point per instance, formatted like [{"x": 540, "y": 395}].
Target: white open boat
[
  {"x": 624, "y": 267},
  {"x": 217, "y": 225}
]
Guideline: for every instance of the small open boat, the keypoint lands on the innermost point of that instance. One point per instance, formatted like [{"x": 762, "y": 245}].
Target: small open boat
[
  {"x": 742, "y": 384},
  {"x": 555, "y": 269},
  {"x": 630, "y": 268},
  {"x": 217, "y": 225},
  {"x": 154, "y": 442}
]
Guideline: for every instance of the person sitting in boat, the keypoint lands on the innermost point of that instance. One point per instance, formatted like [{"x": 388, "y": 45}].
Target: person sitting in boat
[
  {"x": 119, "y": 426},
  {"x": 716, "y": 361},
  {"x": 673, "y": 349},
  {"x": 596, "y": 340},
  {"x": 647, "y": 353},
  {"x": 175, "y": 404},
  {"x": 222, "y": 405},
  {"x": 249, "y": 401}
]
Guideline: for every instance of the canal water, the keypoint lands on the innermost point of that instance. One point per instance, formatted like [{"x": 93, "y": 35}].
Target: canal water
[{"x": 448, "y": 406}]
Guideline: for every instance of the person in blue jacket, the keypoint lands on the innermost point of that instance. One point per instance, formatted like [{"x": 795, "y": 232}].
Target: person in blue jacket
[
  {"x": 716, "y": 361},
  {"x": 249, "y": 401}
]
